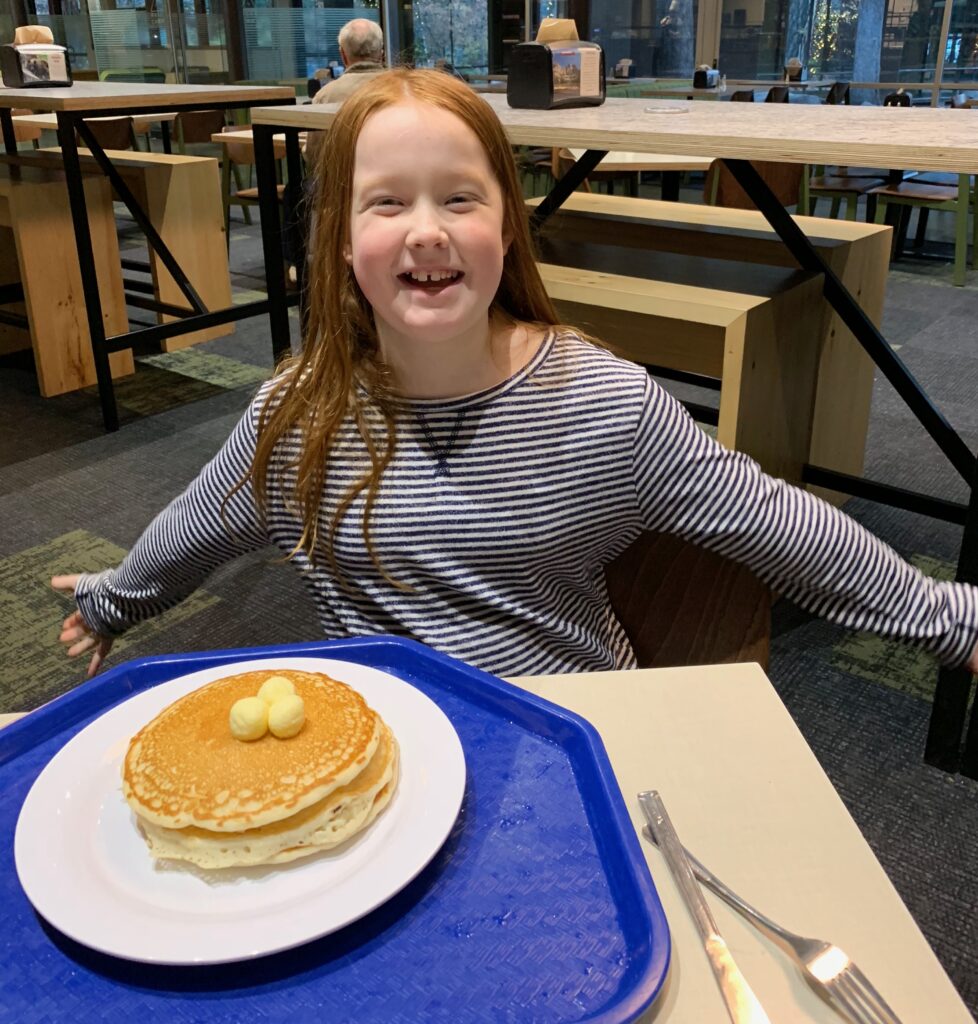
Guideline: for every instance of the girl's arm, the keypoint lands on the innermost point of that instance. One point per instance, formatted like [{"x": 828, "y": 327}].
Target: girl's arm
[
  {"x": 801, "y": 546},
  {"x": 173, "y": 556}
]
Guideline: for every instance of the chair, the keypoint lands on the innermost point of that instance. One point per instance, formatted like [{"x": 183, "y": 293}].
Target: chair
[
  {"x": 788, "y": 182},
  {"x": 26, "y": 132},
  {"x": 680, "y": 604},
  {"x": 112, "y": 132},
  {"x": 195, "y": 128},
  {"x": 930, "y": 190},
  {"x": 837, "y": 94},
  {"x": 777, "y": 94},
  {"x": 742, "y": 96},
  {"x": 840, "y": 185},
  {"x": 240, "y": 155}
]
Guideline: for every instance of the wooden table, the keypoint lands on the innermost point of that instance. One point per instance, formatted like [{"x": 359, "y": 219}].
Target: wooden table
[
  {"x": 72, "y": 106},
  {"x": 759, "y": 811},
  {"x": 669, "y": 165},
  {"x": 930, "y": 139}
]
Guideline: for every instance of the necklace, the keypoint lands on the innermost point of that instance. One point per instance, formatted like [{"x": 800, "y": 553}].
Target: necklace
[{"x": 441, "y": 451}]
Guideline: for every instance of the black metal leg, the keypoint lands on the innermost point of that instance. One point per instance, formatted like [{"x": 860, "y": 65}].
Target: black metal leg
[
  {"x": 948, "y": 713},
  {"x": 271, "y": 235},
  {"x": 86, "y": 265},
  {"x": 297, "y": 224},
  {"x": 7, "y": 127},
  {"x": 670, "y": 186},
  {"x": 165, "y": 136},
  {"x": 566, "y": 185}
]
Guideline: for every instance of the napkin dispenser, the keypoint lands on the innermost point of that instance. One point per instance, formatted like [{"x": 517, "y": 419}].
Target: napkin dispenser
[
  {"x": 34, "y": 65},
  {"x": 706, "y": 78},
  {"x": 557, "y": 74}
]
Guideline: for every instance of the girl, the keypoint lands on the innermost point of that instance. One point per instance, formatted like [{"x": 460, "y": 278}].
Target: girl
[{"x": 444, "y": 462}]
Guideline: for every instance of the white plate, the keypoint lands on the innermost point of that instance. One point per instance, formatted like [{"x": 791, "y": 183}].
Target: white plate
[{"x": 87, "y": 870}]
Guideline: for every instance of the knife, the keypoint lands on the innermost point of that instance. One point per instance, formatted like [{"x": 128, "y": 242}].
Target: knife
[{"x": 742, "y": 1005}]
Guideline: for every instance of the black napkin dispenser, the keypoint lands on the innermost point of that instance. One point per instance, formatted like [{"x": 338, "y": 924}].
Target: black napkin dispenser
[
  {"x": 706, "y": 78},
  {"x": 34, "y": 66},
  {"x": 544, "y": 76}
]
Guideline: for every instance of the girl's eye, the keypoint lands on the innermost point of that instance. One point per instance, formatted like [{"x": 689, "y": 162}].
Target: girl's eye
[
  {"x": 459, "y": 198},
  {"x": 386, "y": 201}
]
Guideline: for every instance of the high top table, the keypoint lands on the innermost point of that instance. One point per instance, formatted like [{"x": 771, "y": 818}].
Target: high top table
[
  {"x": 71, "y": 105},
  {"x": 748, "y": 797},
  {"x": 927, "y": 139}
]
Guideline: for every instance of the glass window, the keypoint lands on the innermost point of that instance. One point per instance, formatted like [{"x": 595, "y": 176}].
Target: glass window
[
  {"x": 753, "y": 37},
  {"x": 659, "y": 37}
]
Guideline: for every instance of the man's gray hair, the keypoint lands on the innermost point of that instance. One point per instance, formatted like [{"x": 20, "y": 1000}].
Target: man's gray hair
[{"x": 362, "y": 39}]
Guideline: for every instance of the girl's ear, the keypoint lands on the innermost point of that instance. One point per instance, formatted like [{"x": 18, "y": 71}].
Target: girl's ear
[
  {"x": 507, "y": 241},
  {"x": 348, "y": 253}
]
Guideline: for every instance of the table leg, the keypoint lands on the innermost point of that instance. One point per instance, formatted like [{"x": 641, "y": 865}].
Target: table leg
[
  {"x": 296, "y": 225},
  {"x": 7, "y": 128},
  {"x": 944, "y": 743},
  {"x": 271, "y": 236},
  {"x": 86, "y": 266},
  {"x": 165, "y": 136},
  {"x": 670, "y": 186}
]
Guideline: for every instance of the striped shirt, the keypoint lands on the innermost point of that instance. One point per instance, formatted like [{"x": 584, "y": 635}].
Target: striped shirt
[{"x": 500, "y": 511}]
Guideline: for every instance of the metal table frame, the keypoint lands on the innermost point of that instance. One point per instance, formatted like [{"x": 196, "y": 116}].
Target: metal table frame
[
  {"x": 952, "y": 740},
  {"x": 192, "y": 317}
]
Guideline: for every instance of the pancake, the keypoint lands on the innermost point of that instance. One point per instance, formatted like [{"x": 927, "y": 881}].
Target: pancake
[
  {"x": 341, "y": 815},
  {"x": 184, "y": 768}
]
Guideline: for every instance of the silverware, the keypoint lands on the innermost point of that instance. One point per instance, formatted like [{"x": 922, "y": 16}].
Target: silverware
[
  {"x": 826, "y": 966},
  {"x": 742, "y": 1004}
]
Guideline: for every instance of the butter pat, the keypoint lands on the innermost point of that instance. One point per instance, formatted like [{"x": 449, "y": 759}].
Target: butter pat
[
  {"x": 249, "y": 718},
  {"x": 286, "y": 716},
  {"x": 274, "y": 688}
]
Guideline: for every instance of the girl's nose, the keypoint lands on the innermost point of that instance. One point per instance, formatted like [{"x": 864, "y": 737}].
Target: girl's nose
[{"x": 426, "y": 230}]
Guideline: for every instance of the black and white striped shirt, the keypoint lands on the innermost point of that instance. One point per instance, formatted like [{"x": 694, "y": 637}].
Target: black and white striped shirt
[{"x": 550, "y": 475}]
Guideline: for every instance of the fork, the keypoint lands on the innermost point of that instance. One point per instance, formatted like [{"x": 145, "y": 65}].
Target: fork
[{"x": 825, "y": 965}]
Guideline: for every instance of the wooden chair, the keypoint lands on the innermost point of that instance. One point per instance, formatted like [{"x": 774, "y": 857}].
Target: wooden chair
[
  {"x": 839, "y": 185},
  {"x": 777, "y": 94},
  {"x": 25, "y": 132},
  {"x": 930, "y": 190},
  {"x": 682, "y": 605},
  {"x": 788, "y": 182},
  {"x": 195, "y": 128},
  {"x": 742, "y": 96},
  {"x": 112, "y": 132},
  {"x": 238, "y": 156}
]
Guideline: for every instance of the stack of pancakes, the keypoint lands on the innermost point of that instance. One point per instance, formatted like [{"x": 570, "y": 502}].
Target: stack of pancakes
[{"x": 200, "y": 795}]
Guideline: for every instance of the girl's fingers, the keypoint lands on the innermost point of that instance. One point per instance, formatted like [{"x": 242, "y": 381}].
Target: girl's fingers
[
  {"x": 65, "y": 584},
  {"x": 83, "y": 645}
]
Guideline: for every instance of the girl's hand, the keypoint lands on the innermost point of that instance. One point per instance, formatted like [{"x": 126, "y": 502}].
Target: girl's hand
[{"x": 75, "y": 633}]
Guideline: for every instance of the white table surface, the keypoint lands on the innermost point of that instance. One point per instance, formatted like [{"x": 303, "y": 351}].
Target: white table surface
[{"x": 748, "y": 797}]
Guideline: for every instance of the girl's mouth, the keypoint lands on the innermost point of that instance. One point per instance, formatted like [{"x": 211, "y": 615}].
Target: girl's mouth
[{"x": 431, "y": 280}]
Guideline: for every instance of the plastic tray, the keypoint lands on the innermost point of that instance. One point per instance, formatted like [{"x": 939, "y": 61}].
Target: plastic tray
[{"x": 539, "y": 907}]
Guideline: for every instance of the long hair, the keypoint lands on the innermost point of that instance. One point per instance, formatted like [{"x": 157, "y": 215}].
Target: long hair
[{"x": 339, "y": 373}]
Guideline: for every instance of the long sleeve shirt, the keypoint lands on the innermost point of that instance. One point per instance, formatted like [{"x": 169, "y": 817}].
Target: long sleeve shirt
[{"x": 500, "y": 511}]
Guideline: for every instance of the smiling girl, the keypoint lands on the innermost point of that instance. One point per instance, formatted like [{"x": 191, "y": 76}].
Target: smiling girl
[{"x": 444, "y": 462}]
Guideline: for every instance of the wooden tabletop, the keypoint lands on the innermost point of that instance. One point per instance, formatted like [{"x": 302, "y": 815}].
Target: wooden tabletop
[
  {"x": 138, "y": 95},
  {"x": 749, "y": 799},
  {"x": 923, "y": 138}
]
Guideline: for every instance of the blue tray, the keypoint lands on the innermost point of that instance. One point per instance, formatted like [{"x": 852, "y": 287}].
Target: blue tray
[{"x": 539, "y": 907}]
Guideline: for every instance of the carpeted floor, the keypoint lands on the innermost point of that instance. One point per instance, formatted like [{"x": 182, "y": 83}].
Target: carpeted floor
[{"x": 74, "y": 498}]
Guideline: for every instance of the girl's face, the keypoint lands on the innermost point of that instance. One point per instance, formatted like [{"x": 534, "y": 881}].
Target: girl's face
[{"x": 426, "y": 227}]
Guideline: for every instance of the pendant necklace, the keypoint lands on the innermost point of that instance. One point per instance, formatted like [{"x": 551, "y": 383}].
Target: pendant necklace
[{"x": 441, "y": 451}]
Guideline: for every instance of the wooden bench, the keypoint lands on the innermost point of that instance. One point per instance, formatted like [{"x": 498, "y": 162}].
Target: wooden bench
[
  {"x": 857, "y": 253},
  {"x": 750, "y": 329},
  {"x": 37, "y": 252},
  {"x": 182, "y": 198}
]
